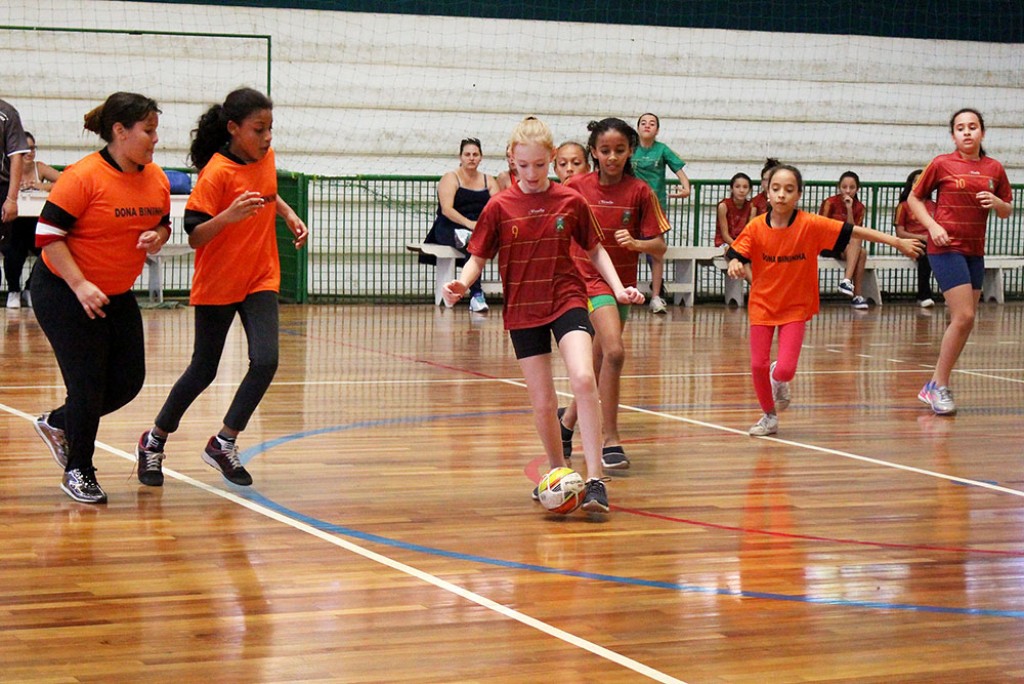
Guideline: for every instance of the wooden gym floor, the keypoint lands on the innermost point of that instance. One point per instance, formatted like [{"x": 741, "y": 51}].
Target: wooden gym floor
[{"x": 390, "y": 536}]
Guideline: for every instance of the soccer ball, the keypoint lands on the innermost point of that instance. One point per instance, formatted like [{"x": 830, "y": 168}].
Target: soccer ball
[{"x": 561, "y": 490}]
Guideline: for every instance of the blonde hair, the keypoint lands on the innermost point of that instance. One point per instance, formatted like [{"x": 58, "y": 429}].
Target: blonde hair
[{"x": 532, "y": 130}]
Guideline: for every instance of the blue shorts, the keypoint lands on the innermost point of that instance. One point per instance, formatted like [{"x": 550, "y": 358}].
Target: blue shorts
[
  {"x": 953, "y": 269},
  {"x": 529, "y": 342}
]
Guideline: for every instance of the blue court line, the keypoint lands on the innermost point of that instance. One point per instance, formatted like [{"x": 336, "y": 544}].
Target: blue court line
[{"x": 254, "y": 495}]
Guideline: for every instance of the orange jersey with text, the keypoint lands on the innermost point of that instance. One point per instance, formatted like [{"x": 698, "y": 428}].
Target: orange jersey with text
[
  {"x": 629, "y": 205},
  {"x": 835, "y": 208},
  {"x": 736, "y": 218},
  {"x": 784, "y": 262},
  {"x": 242, "y": 258},
  {"x": 100, "y": 212},
  {"x": 532, "y": 234},
  {"x": 958, "y": 182}
]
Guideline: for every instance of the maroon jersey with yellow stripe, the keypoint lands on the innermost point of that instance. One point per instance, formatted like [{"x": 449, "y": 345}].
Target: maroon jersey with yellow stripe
[
  {"x": 735, "y": 217},
  {"x": 531, "y": 234},
  {"x": 906, "y": 218},
  {"x": 242, "y": 258},
  {"x": 835, "y": 208},
  {"x": 958, "y": 182},
  {"x": 629, "y": 204},
  {"x": 100, "y": 212}
]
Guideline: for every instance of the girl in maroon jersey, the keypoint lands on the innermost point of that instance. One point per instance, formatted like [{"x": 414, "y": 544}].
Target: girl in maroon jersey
[
  {"x": 530, "y": 229},
  {"x": 845, "y": 206},
  {"x": 907, "y": 226},
  {"x": 970, "y": 184}
]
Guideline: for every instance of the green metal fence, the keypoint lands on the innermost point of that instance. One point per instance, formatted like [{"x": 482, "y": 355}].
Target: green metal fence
[{"x": 360, "y": 226}]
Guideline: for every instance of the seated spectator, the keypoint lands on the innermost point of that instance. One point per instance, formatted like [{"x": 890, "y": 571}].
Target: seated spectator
[
  {"x": 35, "y": 177},
  {"x": 844, "y": 206},
  {"x": 907, "y": 226}
]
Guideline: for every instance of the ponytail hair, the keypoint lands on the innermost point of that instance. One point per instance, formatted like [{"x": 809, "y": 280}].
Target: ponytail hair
[
  {"x": 211, "y": 132},
  {"x": 909, "y": 185},
  {"x": 122, "y": 108},
  {"x": 769, "y": 164},
  {"x": 599, "y": 128}
]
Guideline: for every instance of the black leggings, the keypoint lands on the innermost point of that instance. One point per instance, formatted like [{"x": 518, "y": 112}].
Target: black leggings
[
  {"x": 103, "y": 360},
  {"x": 258, "y": 312},
  {"x": 16, "y": 251}
]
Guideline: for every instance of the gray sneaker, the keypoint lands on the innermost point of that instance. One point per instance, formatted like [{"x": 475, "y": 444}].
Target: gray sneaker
[
  {"x": 81, "y": 485},
  {"x": 780, "y": 390},
  {"x": 941, "y": 399},
  {"x": 55, "y": 439},
  {"x": 768, "y": 425}
]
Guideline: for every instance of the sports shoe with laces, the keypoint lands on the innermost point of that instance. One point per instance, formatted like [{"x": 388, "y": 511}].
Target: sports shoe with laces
[
  {"x": 535, "y": 494},
  {"x": 658, "y": 305},
  {"x": 225, "y": 459},
  {"x": 614, "y": 458},
  {"x": 923, "y": 395},
  {"x": 566, "y": 435},
  {"x": 54, "y": 438},
  {"x": 13, "y": 300},
  {"x": 768, "y": 425},
  {"x": 846, "y": 287},
  {"x": 150, "y": 470},
  {"x": 81, "y": 485},
  {"x": 941, "y": 400},
  {"x": 477, "y": 303},
  {"x": 596, "y": 498},
  {"x": 926, "y": 303},
  {"x": 780, "y": 390},
  {"x": 859, "y": 302}
]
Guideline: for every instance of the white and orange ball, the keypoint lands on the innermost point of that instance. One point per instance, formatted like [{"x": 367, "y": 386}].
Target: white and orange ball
[{"x": 561, "y": 490}]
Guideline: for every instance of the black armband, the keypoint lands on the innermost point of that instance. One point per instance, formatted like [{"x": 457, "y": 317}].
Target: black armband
[
  {"x": 194, "y": 218},
  {"x": 733, "y": 254}
]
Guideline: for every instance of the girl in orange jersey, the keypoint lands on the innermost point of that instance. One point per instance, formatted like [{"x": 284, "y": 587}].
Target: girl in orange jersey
[
  {"x": 530, "y": 228},
  {"x": 782, "y": 248},
  {"x": 760, "y": 200},
  {"x": 845, "y": 206},
  {"x": 104, "y": 214},
  {"x": 230, "y": 220},
  {"x": 570, "y": 159},
  {"x": 970, "y": 184},
  {"x": 907, "y": 226},
  {"x": 632, "y": 222}
]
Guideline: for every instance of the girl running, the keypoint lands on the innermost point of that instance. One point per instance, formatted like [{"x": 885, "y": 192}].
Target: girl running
[
  {"x": 970, "y": 184},
  {"x": 845, "y": 206},
  {"x": 632, "y": 222},
  {"x": 907, "y": 226},
  {"x": 530, "y": 228},
  {"x": 104, "y": 214},
  {"x": 782, "y": 248},
  {"x": 649, "y": 162},
  {"x": 230, "y": 221}
]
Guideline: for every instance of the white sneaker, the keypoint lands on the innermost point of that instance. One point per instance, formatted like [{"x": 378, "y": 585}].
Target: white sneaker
[
  {"x": 859, "y": 302},
  {"x": 768, "y": 425},
  {"x": 926, "y": 303},
  {"x": 846, "y": 287},
  {"x": 477, "y": 303},
  {"x": 658, "y": 305},
  {"x": 780, "y": 390},
  {"x": 13, "y": 300}
]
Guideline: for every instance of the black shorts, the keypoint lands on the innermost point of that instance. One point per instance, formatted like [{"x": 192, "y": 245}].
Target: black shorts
[{"x": 536, "y": 341}]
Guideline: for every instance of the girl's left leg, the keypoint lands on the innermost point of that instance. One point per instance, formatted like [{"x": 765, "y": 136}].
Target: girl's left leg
[
  {"x": 259, "y": 315},
  {"x": 576, "y": 348}
]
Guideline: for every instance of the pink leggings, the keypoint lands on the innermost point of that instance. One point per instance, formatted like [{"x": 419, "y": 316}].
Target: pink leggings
[{"x": 791, "y": 336}]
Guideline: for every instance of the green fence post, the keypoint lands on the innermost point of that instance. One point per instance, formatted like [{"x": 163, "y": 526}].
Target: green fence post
[{"x": 293, "y": 188}]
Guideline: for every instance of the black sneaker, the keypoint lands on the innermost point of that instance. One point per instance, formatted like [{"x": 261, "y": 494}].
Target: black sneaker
[
  {"x": 81, "y": 485},
  {"x": 596, "y": 498},
  {"x": 566, "y": 436},
  {"x": 535, "y": 494},
  {"x": 614, "y": 458},
  {"x": 150, "y": 471},
  {"x": 226, "y": 461},
  {"x": 55, "y": 439}
]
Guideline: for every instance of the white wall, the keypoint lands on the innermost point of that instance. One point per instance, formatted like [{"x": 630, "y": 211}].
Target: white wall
[{"x": 378, "y": 93}]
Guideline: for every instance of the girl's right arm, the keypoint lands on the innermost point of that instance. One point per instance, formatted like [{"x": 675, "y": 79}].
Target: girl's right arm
[
  {"x": 446, "y": 190},
  {"x": 910, "y": 247},
  {"x": 244, "y": 206},
  {"x": 723, "y": 224},
  {"x": 455, "y": 290},
  {"x": 89, "y": 296}
]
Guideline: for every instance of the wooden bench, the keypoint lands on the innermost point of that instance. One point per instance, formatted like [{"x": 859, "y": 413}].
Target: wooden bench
[
  {"x": 685, "y": 260},
  {"x": 445, "y": 273},
  {"x": 992, "y": 286},
  {"x": 155, "y": 262}
]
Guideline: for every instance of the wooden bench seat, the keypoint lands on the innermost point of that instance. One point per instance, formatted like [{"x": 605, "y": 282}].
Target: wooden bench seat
[{"x": 445, "y": 272}]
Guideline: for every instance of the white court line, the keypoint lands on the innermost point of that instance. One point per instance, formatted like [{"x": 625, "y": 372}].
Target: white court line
[{"x": 351, "y": 547}]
